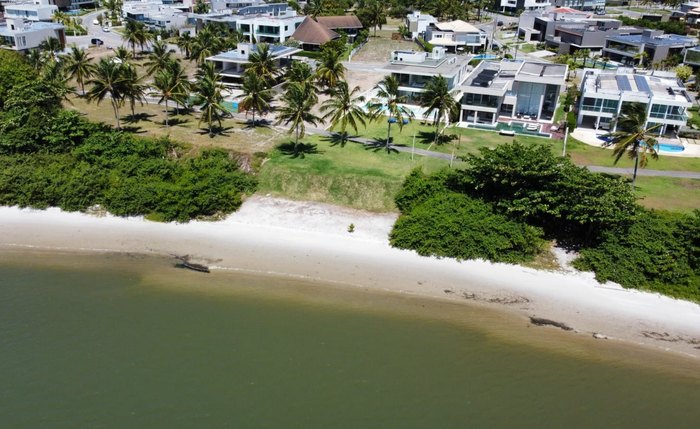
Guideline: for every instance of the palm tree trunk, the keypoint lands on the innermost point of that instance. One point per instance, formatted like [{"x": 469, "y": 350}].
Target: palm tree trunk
[
  {"x": 166, "y": 113},
  {"x": 253, "y": 118},
  {"x": 116, "y": 113},
  {"x": 388, "y": 134},
  {"x": 296, "y": 139},
  {"x": 636, "y": 165},
  {"x": 437, "y": 126}
]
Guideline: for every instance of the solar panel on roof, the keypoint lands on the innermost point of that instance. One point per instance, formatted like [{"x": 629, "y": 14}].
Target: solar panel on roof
[
  {"x": 642, "y": 83},
  {"x": 623, "y": 83}
]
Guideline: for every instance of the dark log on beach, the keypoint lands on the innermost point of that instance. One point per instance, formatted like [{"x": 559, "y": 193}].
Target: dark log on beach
[
  {"x": 546, "y": 322},
  {"x": 185, "y": 263}
]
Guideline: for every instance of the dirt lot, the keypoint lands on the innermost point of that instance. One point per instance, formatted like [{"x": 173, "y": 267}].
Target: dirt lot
[{"x": 377, "y": 49}]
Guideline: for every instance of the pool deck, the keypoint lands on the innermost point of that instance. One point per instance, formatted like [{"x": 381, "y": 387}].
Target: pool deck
[{"x": 590, "y": 137}]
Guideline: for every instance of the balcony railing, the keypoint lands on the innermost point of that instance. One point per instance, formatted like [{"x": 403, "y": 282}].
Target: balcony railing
[
  {"x": 670, "y": 116},
  {"x": 592, "y": 108}
]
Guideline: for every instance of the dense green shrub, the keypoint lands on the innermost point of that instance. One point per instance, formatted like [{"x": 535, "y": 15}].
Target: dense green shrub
[
  {"x": 529, "y": 183},
  {"x": 14, "y": 71},
  {"x": 418, "y": 187},
  {"x": 658, "y": 251},
  {"x": 455, "y": 225}
]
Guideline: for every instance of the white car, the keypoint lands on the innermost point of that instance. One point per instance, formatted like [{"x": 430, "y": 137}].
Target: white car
[
  {"x": 95, "y": 22},
  {"x": 106, "y": 29}
]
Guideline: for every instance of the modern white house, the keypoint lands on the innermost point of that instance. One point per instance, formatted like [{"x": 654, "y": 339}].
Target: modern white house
[
  {"x": 154, "y": 14},
  {"x": 269, "y": 23},
  {"x": 604, "y": 93},
  {"x": 417, "y": 22},
  {"x": 455, "y": 36},
  {"x": 31, "y": 11},
  {"x": 414, "y": 70},
  {"x": 20, "y": 35},
  {"x": 514, "y": 5},
  {"x": 497, "y": 90},
  {"x": 231, "y": 65}
]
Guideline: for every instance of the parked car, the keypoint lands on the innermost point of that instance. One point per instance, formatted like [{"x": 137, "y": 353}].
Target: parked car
[
  {"x": 95, "y": 22},
  {"x": 97, "y": 42},
  {"x": 105, "y": 29},
  {"x": 499, "y": 23}
]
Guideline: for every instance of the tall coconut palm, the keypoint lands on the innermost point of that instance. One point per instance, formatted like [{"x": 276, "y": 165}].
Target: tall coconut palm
[
  {"x": 389, "y": 100},
  {"x": 54, "y": 73},
  {"x": 134, "y": 88},
  {"x": 330, "y": 69},
  {"x": 262, "y": 63},
  {"x": 376, "y": 11},
  {"x": 299, "y": 72},
  {"x": 123, "y": 56},
  {"x": 438, "y": 102},
  {"x": 159, "y": 58},
  {"x": 632, "y": 137},
  {"x": 132, "y": 34},
  {"x": 209, "y": 98},
  {"x": 108, "y": 81},
  {"x": 79, "y": 66},
  {"x": 343, "y": 109},
  {"x": 35, "y": 59},
  {"x": 184, "y": 43},
  {"x": 51, "y": 46},
  {"x": 204, "y": 45},
  {"x": 256, "y": 97},
  {"x": 171, "y": 85},
  {"x": 296, "y": 111}
]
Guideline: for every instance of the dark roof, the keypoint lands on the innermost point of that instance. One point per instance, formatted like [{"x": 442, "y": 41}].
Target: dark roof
[
  {"x": 340, "y": 22},
  {"x": 311, "y": 32}
]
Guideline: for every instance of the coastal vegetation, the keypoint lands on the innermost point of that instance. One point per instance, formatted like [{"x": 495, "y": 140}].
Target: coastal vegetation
[{"x": 524, "y": 194}]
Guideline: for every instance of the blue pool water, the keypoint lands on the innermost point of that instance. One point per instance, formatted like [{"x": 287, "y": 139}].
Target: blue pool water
[
  {"x": 485, "y": 57},
  {"x": 669, "y": 147}
]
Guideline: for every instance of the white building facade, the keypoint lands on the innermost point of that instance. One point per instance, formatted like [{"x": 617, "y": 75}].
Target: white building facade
[{"x": 20, "y": 35}]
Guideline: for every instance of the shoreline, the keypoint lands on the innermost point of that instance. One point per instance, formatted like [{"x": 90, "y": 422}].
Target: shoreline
[{"x": 310, "y": 241}]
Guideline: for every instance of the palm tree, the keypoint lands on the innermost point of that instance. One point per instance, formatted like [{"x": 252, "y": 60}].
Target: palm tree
[
  {"x": 256, "y": 97},
  {"x": 330, "y": 69},
  {"x": 632, "y": 137},
  {"x": 134, "y": 88},
  {"x": 159, "y": 58},
  {"x": 172, "y": 85},
  {"x": 55, "y": 74},
  {"x": 389, "y": 101},
  {"x": 209, "y": 98},
  {"x": 35, "y": 59},
  {"x": 437, "y": 100},
  {"x": 605, "y": 61},
  {"x": 123, "y": 55},
  {"x": 262, "y": 63},
  {"x": 205, "y": 45},
  {"x": 184, "y": 43},
  {"x": 108, "y": 80},
  {"x": 132, "y": 34},
  {"x": 79, "y": 66},
  {"x": 642, "y": 57},
  {"x": 296, "y": 111},
  {"x": 51, "y": 46},
  {"x": 343, "y": 109},
  {"x": 376, "y": 11},
  {"x": 299, "y": 72}
]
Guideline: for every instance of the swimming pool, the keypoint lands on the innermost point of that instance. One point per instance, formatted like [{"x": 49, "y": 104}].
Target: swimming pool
[
  {"x": 485, "y": 57},
  {"x": 665, "y": 147}
]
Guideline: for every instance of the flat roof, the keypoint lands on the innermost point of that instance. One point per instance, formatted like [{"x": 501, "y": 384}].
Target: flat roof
[
  {"x": 235, "y": 56},
  {"x": 617, "y": 84},
  {"x": 29, "y": 27},
  {"x": 664, "y": 40},
  {"x": 447, "y": 66}
]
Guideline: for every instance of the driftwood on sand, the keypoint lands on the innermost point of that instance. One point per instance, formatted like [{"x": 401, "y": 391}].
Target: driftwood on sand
[{"x": 538, "y": 321}]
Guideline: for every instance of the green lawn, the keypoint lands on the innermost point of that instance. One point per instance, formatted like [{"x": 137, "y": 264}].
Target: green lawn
[
  {"x": 352, "y": 176},
  {"x": 668, "y": 193}
]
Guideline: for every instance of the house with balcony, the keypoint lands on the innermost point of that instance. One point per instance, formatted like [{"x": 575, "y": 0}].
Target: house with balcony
[
  {"x": 603, "y": 95},
  {"x": 455, "y": 36},
  {"x": 34, "y": 12},
  {"x": 592, "y": 35},
  {"x": 155, "y": 14},
  {"x": 20, "y": 35},
  {"x": 414, "y": 70},
  {"x": 583, "y": 5},
  {"x": 269, "y": 23},
  {"x": 512, "y": 6},
  {"x": 692, "y": 57},
  {"x": 503, "y": 90},
  {"x": 231, "y": 65},
  {"x": 657, "y": 46},
  {"x": 417, "y": 22},
  {"x": 538, "y": 25}
]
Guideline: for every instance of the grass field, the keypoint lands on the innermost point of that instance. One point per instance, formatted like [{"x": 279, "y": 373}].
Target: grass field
[
  {"x": 669, "y": 193},
  {"x": 352, "y": 176}
]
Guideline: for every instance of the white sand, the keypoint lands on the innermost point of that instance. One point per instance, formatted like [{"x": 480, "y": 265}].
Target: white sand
[{"x": 310, "y": 240}]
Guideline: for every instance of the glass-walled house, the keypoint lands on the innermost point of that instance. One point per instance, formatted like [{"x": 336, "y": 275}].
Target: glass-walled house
[{"x": 604, "y": 94}]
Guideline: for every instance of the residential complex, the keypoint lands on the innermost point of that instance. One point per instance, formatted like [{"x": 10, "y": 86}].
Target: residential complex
[
  {"x": 455, "y": 35},
  {"x": 417, "y": 22},
  {"x": 604, "y": 93},
  {"x": 414, "y": 70},
  {"x": 656, "y": 45},
  {"x": 271, "y": 23},
  {"x": 513, "y": 6},
  {"x": 20, "y": 35},
  {"x": 231, "y": 65},
  {"x": 511, "y": 89}
]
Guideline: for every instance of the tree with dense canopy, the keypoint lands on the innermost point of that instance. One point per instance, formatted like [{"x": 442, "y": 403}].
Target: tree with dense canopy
[{"x": 632, "y": 137}]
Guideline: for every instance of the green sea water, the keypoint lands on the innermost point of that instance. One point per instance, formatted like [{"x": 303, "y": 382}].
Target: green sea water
[{"x": 130, "y": 342}]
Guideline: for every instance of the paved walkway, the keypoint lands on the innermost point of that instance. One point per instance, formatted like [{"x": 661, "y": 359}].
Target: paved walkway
[{"x": 644, "y": 172}]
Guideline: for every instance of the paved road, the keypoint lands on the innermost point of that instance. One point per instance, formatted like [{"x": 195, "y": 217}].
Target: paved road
[{"x": 644, "y": 172}]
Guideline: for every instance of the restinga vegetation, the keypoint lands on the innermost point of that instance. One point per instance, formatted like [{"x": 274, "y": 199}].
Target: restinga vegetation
[{"x": 632, "y": 137}]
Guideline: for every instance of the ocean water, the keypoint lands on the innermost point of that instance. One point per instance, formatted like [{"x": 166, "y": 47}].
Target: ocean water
[{"x": 131, "y": 342}]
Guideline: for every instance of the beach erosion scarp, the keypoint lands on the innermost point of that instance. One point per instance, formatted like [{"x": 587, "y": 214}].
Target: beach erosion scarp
[{"x": 312, "y": 241}]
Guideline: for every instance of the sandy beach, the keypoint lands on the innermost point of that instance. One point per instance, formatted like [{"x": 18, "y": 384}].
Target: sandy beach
[{"x": 311, "y": 241}]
